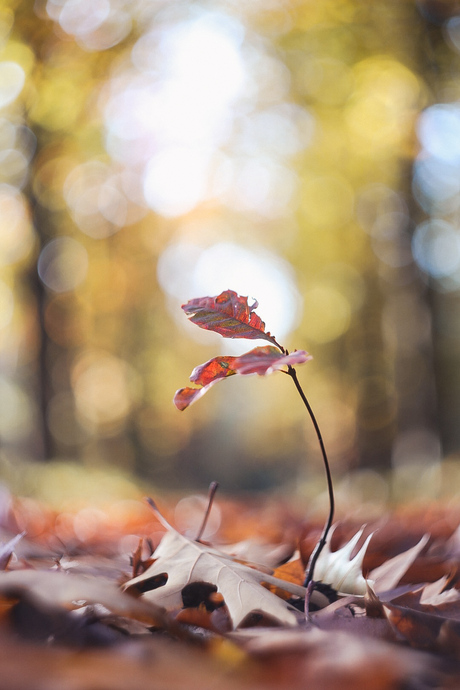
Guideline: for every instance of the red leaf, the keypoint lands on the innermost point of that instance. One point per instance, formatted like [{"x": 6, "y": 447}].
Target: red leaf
[
  {"x": 228, "y": 314},
  {"x": 205, "y": 376},
  {"x": 186, "y": 396},
  {"x": 260, "y": 360},
  {"x": 216, "y": 368},
  {"x": 265, "y": 360}
]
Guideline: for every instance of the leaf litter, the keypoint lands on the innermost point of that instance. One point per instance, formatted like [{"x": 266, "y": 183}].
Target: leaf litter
[{"x": 231, "y": 615}]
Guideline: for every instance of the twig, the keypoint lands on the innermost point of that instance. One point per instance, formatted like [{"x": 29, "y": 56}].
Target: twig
[
  {"x": 322, "y": 541},
  {"x": 211, "y": 494}
]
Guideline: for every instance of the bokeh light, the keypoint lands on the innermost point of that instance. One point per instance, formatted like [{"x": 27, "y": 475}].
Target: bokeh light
[
  {"x": 436, "y": 184},
  {"x": 381, "y": 109},
  {"x": 436, "y": 247},
  {"x": 63, "y": 264},
  {"x": 193, "y": 91},
  {"x": 96, "y": 25},
  {"x": 301, "y": 154},
  {"x": 189, "y": 513},
  {"x": 16, "y": 236},
  {"x": 105, "y": 390},
  {"x": 438, "y": 129},
  {"x": 12, "y": 80}
]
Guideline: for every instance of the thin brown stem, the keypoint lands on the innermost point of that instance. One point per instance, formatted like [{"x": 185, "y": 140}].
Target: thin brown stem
[
  {"x": 322, "y": 541},
  {"x": 211, "y": 494}
]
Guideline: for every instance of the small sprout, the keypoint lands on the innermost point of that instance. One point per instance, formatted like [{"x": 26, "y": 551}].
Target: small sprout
[{"x": 231, "y": 316}]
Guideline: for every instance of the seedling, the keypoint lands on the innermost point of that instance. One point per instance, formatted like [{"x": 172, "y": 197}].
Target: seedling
[{"x": 231, "y": 316}]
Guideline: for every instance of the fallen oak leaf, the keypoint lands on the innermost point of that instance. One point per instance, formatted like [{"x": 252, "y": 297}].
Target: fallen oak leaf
[
  {"x": 260, "y": 360},
  {"x": 388, "y": 575},
  {"x": 183, "y": 561},
  {"x": 430, "y": 598},
  {"x": 180, "y": 561},
  {"x": 338, "y": 569},
  {"x": 437, "y": 594},
  {"x": 344, "y": 573}
]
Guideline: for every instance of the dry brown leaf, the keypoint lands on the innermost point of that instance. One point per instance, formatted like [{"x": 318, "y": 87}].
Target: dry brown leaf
[
  {"x": 424, "y": 630},
  {"x": 55, "y": 588},
  {"x": 431, "y": 598},
  {"x": 436, "y": 594},
  {"x": 182, "y": 561},
  {"x": 387, "y": 575}
]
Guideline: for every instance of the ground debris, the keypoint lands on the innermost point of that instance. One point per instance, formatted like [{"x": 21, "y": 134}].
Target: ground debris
[{"x": 76, "y": 618}]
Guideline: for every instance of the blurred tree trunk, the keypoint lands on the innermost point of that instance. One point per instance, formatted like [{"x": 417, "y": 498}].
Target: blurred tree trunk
[{"x": 43, "y": 382}]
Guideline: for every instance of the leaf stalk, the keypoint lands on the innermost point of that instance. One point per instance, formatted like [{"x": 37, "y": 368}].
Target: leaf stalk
[{"x": 322, "y": 541}]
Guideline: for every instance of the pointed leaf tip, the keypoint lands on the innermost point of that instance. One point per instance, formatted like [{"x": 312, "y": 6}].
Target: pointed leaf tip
[
  {"x": 228, "y": 314},
  {"x": 184, "y": 397}
]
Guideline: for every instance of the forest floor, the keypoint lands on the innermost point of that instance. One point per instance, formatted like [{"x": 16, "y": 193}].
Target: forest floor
[{"x": 94, "y": 599}]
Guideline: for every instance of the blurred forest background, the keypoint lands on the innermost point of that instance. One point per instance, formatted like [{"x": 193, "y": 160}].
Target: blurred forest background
[{"x": 303, "y": 153}]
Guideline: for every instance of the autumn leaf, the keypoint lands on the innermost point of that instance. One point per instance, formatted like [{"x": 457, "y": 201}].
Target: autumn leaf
[
  {"x": 205, "y": 375},
  {"x": 184, "y": 397},
  {"x": 228, "y": 314},
  {"x": 343, "y": 571},
  {"x": 373, "y": 641},
  {"x": 339, "y": 569},
  {"x": 52, "y": 588},
  {"x": 436, "y": 594},
  {"x": 260, "y": 360},
  {"x": 387, "y": 575},
  {"x": 214, "y": 369},
  {"x": 180, "y": 561},
  {"x": 265, "y": 360}
]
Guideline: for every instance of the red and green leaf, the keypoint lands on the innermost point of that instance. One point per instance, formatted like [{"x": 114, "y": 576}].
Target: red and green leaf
[
  {"x": 205, "y": 375},
  {"x": 228, "y": 314},
  {"x": 260, "y": 360},
  {"x": 214, "y": 369}
]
